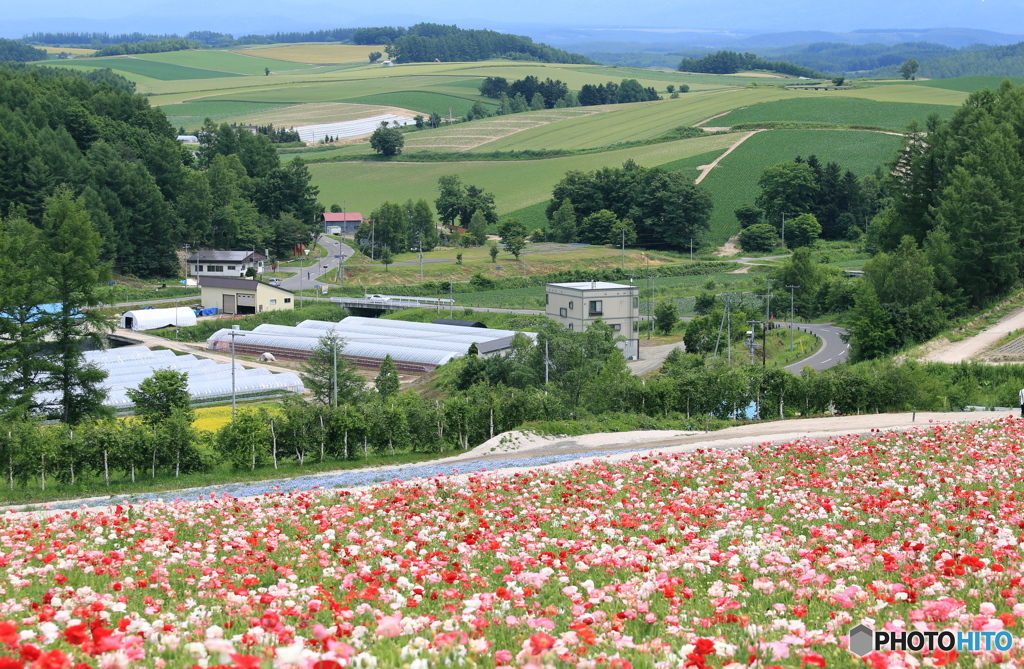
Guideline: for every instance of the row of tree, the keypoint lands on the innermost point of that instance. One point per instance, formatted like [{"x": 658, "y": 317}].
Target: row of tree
[
  {"x": 653, "y": 207},
  {"x": 145, "y": 193},
  {"x": 160, "y": 46},
  {"x": 952, "y": 237},
  {"x": 731, "y": 62},
  {"x": 13, "y": 50}
]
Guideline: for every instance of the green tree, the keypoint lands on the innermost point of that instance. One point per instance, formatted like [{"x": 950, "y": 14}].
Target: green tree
[
  {"x": 513, "y": 236},
  {"x": 563, "y": 223},
  {"x": 749, "y": 215},
  {"x": 665, "y": 317},
  {"x": 786, "y": 188},
  {"x": 758, "y": 238},
  {"x": 478, "y": 228},
  {"x": 599, "y": 228},
  {"x": 838, "y": 81},
  {"x": 802, "y": 231},
  {"x": 870, "y": 328},
  {"x": 909, "y": 68},
  {"x": 386, "y": 381},
  {"x": 375, "y": 56},
  {"x": 21, "y": 340},
  {"x": 69, "y": 259},
  {"x": 493, "y": 252},
  {"x": 537, "y": 102},
  {"x": 327, "y": 369},
  {"x": 161, "y": 395},
  {"x": 246, "y": 440},
  {"x": 434, "y": 120},
  {"x": 389, "y": 229},
  {"x": 386, "y": 257},
  {"x": 421, "y": 229},
  {"x": 387, "y": 141}
]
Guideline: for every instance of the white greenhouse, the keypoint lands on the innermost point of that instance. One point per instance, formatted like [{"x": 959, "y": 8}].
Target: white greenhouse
[
  {"x": 208, "y": 381},
  {"x": 414, "y": 347},
  {"x": 154, "y": 319}
]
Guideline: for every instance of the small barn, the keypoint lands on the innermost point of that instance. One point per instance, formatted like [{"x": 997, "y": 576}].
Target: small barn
[{"x": 154, "y": 319}]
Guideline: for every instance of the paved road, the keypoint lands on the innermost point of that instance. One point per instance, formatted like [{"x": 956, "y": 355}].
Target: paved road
[
  {"x": 833, "y": 349},
  {"x": 307, "y": 275}
]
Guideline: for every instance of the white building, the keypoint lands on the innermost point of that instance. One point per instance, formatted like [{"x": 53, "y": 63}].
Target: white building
[
  {"x": 232, "y": 264},
  {"x": 577, "y": 305}
]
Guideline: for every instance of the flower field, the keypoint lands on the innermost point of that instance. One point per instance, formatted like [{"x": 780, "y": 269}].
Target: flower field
[{"x": 762, "y": 557}]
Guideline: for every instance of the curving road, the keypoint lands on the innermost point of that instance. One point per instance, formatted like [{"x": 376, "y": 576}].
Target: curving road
[
  {"x": 833, "y": 349},
  {"x": 312, "y": 269}
]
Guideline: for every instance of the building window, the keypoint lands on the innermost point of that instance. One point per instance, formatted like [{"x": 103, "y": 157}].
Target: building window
[
  {"x": 570, "y": 326},
  {"x": 636, "y": 302},
  {"x": 287, "y": 300},
  {"x": 273, "y": 302},
  {"x": 563, "y": 312},
  {"x": 215, "y": 268},
  {"x": 547, "y": 299},
  {"x": 616, "y": 327},
  {"x": 596, "y": 307},
  {"x": 231, "y": 266},
  {"x": 570, "y": 304},
  {"x": 199, "y": 268}
]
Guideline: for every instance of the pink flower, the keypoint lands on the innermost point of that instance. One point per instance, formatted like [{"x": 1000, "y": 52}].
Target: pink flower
[{"x": 390, "y": 626}]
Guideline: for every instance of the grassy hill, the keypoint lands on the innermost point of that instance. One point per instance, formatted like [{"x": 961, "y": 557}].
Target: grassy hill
[{"x": 320, "y": 83}]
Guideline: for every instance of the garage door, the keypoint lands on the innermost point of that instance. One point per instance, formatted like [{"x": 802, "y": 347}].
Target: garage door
[
  {"x": 246, "y": 299},
  {"x": 229, "y": 304}
]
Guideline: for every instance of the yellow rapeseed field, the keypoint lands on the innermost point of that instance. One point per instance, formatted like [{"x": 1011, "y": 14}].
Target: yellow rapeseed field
[
  {"x": 211, "y": 419},
  {"x": 64, "y": 49}
]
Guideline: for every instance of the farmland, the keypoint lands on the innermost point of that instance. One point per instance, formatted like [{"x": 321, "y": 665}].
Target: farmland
[
  {"x": 319, "y": 83},
  {"x": 515, "y": 184},
  {"x": 734, "y": 182},
  {"x": 836, "y": 111}
]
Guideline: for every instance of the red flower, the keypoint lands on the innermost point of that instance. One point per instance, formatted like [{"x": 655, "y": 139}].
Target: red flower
[
  {"x": 245, "y": 661},
  {"x": 8, "y": 632},
  {"x": 76, "y": 634},
  {"x": 10, "y": 663},
  {"x": 54, "y": 659},
  {"x": 812, "y": 660},
  {"x": 540, "y": 642},
  {"x": 704, "y": 647},
  {"x": 30, "y": 653},
  {"x": 945, "y": 658}
]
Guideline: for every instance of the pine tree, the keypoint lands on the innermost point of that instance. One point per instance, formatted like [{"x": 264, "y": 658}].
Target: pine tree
[
  {"x": 327, "y": 368},
  {"x": 387, "y": 379}
]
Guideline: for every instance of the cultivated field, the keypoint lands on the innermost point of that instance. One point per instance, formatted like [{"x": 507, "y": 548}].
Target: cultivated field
[
  {"x": 836, "y": 111},
  {"x": 320, "y": 54},
  {"x": 516, "y": 184},
  {"x": 734, "y": 182}
]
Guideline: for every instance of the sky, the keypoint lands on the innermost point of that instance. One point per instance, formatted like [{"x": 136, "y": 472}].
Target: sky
[{"x": 529, "y": 17}]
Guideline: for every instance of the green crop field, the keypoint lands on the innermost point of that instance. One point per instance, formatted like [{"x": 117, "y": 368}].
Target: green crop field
[
  {"x": 465, "y": 136},
  {"x": 425, "y": 102},
  {"x": 970, "y": 84},
  {"x": 901, "y": 93},
  {"x": 630, "y": 122},
  {"x": 836, "y": 111},
  {"x": 191, "y": 114},
  {"x": 515, "y": 184},
  {"x": 129, "y": 65},
  {"x": 733, "y": 183},
  {"x": 223, "y": 61}
]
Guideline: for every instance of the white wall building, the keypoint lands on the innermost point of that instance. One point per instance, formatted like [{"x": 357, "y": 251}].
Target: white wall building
[
  {"x": 577, "y": 305},
  {"x": 230, "y": 264}
]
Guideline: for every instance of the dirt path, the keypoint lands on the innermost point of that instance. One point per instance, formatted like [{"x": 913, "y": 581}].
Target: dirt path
[
  {"x": 944, "y": 350},
  {"x": 706, "y": 169}
]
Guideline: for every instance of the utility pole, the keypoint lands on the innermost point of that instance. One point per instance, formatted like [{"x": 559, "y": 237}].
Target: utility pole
[
  {"x": 373, "y": 239},
  {"x": 728, "y": 325},
  {"x": 768, "y": 301},
  {"x": 791, "y": 289},
  {"x": 421, "y": 261},
  {"x": 334, "y": 348},
  {"x": 622, "y": 261},
  {"x": 750, "y": 342},
  {"x": 451, "y": 297},
  {"x": 233, "y": 333}
]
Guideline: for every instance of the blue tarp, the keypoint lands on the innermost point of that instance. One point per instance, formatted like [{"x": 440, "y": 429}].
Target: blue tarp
[{"x": 212, "y": 311}]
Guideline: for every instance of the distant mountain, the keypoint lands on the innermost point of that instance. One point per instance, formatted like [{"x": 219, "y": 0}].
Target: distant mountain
[{"x": 999, "y": 61}]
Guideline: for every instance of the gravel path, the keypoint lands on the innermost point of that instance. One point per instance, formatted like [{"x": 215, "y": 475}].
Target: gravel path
[{"x": 967, "y": 349}]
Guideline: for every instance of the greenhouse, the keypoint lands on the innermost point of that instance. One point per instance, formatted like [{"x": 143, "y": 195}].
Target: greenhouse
[
  {"x": 154, "y": 319},
  {"x": 415, "y": 347},
  {"x": 208, "y": 381}
]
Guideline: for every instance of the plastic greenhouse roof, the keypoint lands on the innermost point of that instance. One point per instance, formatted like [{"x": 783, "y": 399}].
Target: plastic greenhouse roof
[
  {"x": 154, "y": 319},
  {"x": 221, "y": 341}
]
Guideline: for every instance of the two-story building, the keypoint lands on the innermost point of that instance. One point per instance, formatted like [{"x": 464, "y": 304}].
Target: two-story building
[
  {"x": 577, "y": 305},
  {"x": 342, "y": 223},
  {"x": 229, "y": 264}
]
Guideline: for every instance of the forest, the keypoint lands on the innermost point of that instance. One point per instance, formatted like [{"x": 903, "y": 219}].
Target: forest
[
  {"x": 426, "y": 42},
  {"x": 730, "y": 62},
  {"x": 146, "y": 194}
]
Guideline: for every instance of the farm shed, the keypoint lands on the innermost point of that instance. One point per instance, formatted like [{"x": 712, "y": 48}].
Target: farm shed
[
  {"x": 243, "y": 296},
  {"x": 208, "y": 380},
  {"x": 154, "y": 319},
  {"x": 415, "y": 347}
]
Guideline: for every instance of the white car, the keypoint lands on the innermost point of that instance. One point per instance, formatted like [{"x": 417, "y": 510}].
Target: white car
[
  {"x": 274, "y": 282},
  {"x": 379, "y": 298}
]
